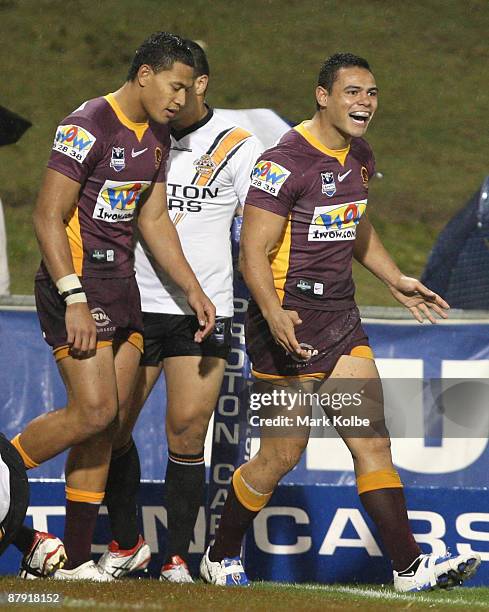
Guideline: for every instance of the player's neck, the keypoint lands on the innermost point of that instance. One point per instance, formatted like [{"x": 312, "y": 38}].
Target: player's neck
[
  {"x": 327, "y": 134},
  {"x": 183, "y": 120},
  {"x": 129, "y": 103}
]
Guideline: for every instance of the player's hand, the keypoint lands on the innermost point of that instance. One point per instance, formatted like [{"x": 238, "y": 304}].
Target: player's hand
[
  {"x": 421, "y": 301},
  {"x": 282, "y": 323},
  {"x": 205, "y": 311},
  {"x": 81, "y": 329}
]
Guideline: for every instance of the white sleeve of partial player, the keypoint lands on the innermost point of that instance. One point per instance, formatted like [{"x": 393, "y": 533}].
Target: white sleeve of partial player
[
  {"x": 4, "y": 490},
  {"x": 4, "y": 273},
  {"x": 241, "y": 165}
]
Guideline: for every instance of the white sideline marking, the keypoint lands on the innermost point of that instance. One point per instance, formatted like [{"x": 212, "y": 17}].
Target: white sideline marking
[
  {"x": 363, "y": 592},
  {"x": 386, "y": 595},
  {"x": 93, "y": 604}
]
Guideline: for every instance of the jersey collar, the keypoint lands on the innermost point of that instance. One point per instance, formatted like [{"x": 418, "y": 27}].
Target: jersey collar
[
  {"x": 179, "y": 134},
  {"x": 339, "y": 154},
  {"x": 138, "y": 128}
]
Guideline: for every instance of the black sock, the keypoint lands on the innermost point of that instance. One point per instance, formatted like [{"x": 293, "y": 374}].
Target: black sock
[
  {"x": 24, "y": 539},
  {"x": 184, "y": 491},
  {"x": 387, "y": 508},
  {"x": 235, "y": 520},
  {"x": 121, "y": 495}
]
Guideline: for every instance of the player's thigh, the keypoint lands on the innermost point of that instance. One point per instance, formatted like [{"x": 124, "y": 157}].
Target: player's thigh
[
  {"x": 358, "y": 388},
  {"x": 145, "y": 379},
  {"x": 360, "y": 368},
  {"x": 282, "y": 411},
  {"x": 126, "y": 361},
  {"x": 91, "y": 383},
  {"x": 192, "y": 387}
]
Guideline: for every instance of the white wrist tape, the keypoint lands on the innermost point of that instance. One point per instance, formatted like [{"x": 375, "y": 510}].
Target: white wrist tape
[
  {"x": 71, "y": 289},
  {"x": 68, "y": 282},
  {"x": 75, "y": 298}
]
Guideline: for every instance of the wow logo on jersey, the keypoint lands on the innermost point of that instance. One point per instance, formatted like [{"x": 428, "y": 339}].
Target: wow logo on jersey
[
  {"x": 117, "y": 200},
  {"x": 336, "y": 222},
  {"x": 73, "y": 141},
  {"x": 269, "y": 177}
]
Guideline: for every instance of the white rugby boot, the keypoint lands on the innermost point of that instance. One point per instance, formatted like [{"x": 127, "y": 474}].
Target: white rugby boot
[
  {"x": 176, "y": 571},
  {"x": 46, "y": 555},
  {"x": 86, "y": 571},
  {"x": 228, "y": 572},
  {"x": 431, "y": 572},
  {"x": 119, "y": 562}
]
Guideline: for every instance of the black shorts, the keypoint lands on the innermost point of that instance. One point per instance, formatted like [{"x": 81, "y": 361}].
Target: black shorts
[
  {"x": 327, "y": 334},
  {"x": 172, "y": 335},
  {"x": 19, "y": 493},
  {"x": 114, "y": 303}
]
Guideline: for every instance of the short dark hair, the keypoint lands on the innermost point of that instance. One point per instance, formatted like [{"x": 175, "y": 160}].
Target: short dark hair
[
  {"x": 329, "y": 70},
  {"x": 160, "y": 51},
  {"x": 201, "y": 65}
]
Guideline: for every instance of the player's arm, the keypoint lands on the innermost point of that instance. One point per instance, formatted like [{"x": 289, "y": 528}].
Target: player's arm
[
  {"x": 57, "y": 197},
  {"x": 412, "y": 294},
  {"x": 261, "y": 232},
  {"x": 160, "y": 235}
]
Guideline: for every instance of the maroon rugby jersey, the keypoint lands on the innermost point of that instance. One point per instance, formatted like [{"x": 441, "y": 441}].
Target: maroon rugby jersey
[
  {"x": 115, "y": 161},
  {"x": 323, "y": 194}
]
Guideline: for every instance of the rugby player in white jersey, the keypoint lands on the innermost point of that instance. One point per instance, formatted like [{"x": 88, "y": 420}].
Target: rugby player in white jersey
[
  {"x": 210, "y": 164},
  {"x": 43, "y": 553}
]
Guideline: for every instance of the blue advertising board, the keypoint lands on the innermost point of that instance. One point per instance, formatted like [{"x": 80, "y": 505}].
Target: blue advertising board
[
  {"x": 307, "y": 533},
  {"x": 314, "y": 527}
]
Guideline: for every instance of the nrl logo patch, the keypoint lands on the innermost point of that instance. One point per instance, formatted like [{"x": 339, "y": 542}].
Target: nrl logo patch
[
  {"x": 118, "y": 160},
  {"x": 205, "y": 165},
  {"x": 328, "y": 186}
]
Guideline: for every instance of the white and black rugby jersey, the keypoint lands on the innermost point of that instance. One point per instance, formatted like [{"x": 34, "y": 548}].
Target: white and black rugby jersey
[{"x": 209, "y": 175}]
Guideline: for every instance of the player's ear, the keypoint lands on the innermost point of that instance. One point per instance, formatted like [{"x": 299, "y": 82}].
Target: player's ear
[
  {"x": 322, "y": 96},
  {"x": 200, "y": 84},
  {"x": 144, "y": 74}
]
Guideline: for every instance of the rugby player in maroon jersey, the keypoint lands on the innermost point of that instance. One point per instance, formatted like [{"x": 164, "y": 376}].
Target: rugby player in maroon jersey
[
  {"x": 107, "y": 168},
  {"x": 304, "y": 221}
]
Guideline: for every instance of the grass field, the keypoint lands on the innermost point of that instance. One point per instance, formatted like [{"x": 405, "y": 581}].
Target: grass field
[
  {"x": 153, "y": 595},
  {"x": 429, "y": 57}
]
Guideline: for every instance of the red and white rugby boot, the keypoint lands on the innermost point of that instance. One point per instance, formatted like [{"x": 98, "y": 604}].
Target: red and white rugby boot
[
  {"x": 176, "y": 571},
  {"x": 119, "y": 562},
  {"x": 46, "y": 555}
]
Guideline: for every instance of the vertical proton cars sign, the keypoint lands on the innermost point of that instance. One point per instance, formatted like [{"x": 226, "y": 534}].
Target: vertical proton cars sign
[{"x": 231, "y": 435}]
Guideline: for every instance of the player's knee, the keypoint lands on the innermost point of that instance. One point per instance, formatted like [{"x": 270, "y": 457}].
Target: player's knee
[
  {"x": 188, "y": 443},
  {"x": 96, "y": 417},
  {"x": 187, "y": 435},
  {"x": 284, "y": 460}
]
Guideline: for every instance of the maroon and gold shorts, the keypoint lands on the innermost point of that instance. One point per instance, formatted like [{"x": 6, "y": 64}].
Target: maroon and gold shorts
[
  {"x": 327, "y": 334},
  {"x": 115, "y": 306}
]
